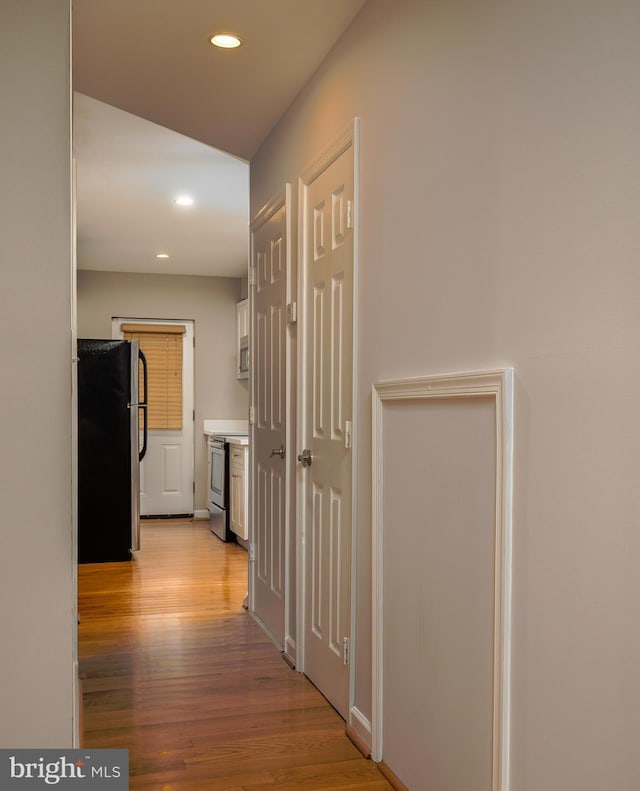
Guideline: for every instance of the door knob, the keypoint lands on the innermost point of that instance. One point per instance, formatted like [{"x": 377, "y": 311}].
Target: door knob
[
  {"x": 305, "y": 458},
  {"x": 278, "y": 452}
]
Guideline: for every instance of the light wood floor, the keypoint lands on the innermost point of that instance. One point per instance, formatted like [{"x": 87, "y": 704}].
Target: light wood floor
[{"x": 176, "y": 671}]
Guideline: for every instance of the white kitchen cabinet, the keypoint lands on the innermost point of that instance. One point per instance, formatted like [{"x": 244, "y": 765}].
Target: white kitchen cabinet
[
  {"x": 239, "y": 490},
  {"x": 242, "y": 339}
]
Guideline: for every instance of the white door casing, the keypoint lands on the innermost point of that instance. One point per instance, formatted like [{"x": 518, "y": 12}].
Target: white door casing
[
  {"x": 167, "y": 470},
  {"x": 270, "y": 376},
  {"x": 327, "y": 427}
]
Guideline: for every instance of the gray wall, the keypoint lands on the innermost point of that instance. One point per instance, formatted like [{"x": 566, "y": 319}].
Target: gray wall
[
  {"x": 499, "y": 227},
  {"x": 37, "y": 583},
  {"x": 211, "y": 303}
]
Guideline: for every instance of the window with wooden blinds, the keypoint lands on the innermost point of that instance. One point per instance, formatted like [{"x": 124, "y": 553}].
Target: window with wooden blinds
[{"x": 162, "y": 346}]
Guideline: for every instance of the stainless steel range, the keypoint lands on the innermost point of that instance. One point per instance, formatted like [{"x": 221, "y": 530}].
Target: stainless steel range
[{"x": 218, "y": 468}]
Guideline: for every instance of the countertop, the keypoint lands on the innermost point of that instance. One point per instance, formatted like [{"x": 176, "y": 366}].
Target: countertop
[
  {"x": 222, "y": 427},
  {"x": 238, "y": 440}
]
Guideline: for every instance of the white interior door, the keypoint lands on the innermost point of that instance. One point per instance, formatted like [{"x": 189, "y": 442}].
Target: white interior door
[
  {"x": 167, "y": 470},
  {"x": 327, "y": 203},
  {"x": 271, "y": 461}
]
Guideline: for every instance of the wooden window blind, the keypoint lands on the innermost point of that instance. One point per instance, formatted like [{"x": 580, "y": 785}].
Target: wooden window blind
[{"x": 162, "y": 346}]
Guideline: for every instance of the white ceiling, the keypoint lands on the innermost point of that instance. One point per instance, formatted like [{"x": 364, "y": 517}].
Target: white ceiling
[
  {"x": 144, "y": 67},
  {"x": 129, "y": 172}
]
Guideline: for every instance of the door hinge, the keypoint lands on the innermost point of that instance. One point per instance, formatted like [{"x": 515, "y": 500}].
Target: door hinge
[
  {"x": 194, "y": 341},
  {"x": 251, "y": 553},
  {"x": 345, "y": 651},
  {"x": 347, "y": 433},
  {"x": 194, "y": 487},
  {"x": 252, "y": 415},
  {"x": 252, "y": 276},
  {"x": 194, "y": 415},
  {"x": 292, "y": 312},
  {"x": 349, "y": 214}
]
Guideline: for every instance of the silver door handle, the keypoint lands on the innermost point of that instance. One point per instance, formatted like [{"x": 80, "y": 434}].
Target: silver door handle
[
  {"x": 278, "y": 452},
  {"x": 305, "y": 458}
]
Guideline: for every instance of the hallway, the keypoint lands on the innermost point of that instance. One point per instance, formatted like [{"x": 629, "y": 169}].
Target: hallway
[{"x": 174, "y": 669}]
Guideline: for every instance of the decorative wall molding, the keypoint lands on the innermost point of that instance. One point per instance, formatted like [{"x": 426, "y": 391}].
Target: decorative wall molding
[
  {"x": 266, "y": 212},
  {"x": 499, "y": 385},
  {"x": 348, "y": 137}
]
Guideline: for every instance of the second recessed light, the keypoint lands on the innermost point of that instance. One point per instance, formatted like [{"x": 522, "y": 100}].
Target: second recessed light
[
  {"x": 184, "y": 200},
  {"x": 225, "y": 40}
]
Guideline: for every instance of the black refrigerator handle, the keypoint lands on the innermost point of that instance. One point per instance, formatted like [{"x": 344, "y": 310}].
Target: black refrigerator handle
[{"x": 143, "y": 405}]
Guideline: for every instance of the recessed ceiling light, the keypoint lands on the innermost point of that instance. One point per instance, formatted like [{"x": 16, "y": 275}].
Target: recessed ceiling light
[
  {"x": 162, "y": 255},
  {"x": 184, "y": 200},
  {"x": 225, "y": 40}
]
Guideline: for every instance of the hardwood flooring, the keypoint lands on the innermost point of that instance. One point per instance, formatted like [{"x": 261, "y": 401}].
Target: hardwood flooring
[{"x": 176, "y": 671}]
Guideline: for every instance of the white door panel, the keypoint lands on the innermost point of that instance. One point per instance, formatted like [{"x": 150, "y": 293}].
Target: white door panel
[
  {"x": 328, "y": 251},
  {"x": 269, "y": 380},
  {"x": 171, "y": 468}
]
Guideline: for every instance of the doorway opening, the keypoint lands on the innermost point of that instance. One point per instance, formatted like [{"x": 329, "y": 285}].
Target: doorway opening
[{"x": 167, "y": 470}]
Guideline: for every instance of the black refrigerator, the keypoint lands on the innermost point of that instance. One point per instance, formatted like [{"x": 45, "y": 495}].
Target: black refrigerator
[{"x": 112, "y": 440}]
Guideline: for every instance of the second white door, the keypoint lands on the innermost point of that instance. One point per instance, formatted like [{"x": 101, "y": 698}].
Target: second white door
[
  {"x": 167, "y": 471},
  {"x": 270, "y": 459},
  {"x": 327, "y": 203}
]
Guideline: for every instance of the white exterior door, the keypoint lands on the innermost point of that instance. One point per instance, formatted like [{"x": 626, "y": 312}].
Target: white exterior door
[
  {"x": 167, "y": 470},
  {"x": 327, "y": 203},
  {"x": 271, "y": 457}
]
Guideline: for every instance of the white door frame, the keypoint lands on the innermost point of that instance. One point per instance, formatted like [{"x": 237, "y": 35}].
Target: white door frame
[
  {"x": 277, "y": 202},
  {"x": 349, "y": 137},
  {"x": 188, "y": 382}
]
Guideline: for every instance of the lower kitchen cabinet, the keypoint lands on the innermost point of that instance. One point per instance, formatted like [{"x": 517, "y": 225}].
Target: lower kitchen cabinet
[{"x": 239, "y": 490}]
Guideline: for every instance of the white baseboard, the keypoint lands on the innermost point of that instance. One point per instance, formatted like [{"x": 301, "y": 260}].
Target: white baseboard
[
  {"x": 201, "y": 513},
  {"x": 360, "y": 725},
  {"x": 290, "y": 648},
  {"x": 77, "y": 706},
  {"x": 267, "y": 631}
]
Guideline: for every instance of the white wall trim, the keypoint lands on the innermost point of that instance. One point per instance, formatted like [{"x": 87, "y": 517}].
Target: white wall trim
[
  {"x": 265, "y": 628},
  {"x": 331, "y": 152},
  {"x": 291, "y": 437},
  {"x": 266, "y": 212},
  {"x": 360, "y": 725},
  {"x": 290, "y": 648},
  {"x": 355, "y": 137},
  {"x": 76, "y": 697},
  {"x": 499, "y": 384}
]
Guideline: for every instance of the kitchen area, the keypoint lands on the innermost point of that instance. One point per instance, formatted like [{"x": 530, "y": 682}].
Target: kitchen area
[
  {"x": 220, "y": 399},
  {"x": 228, "y": 476},
  {"x": 167, "y": 253},
  {"x": 228, "y": 455}
]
